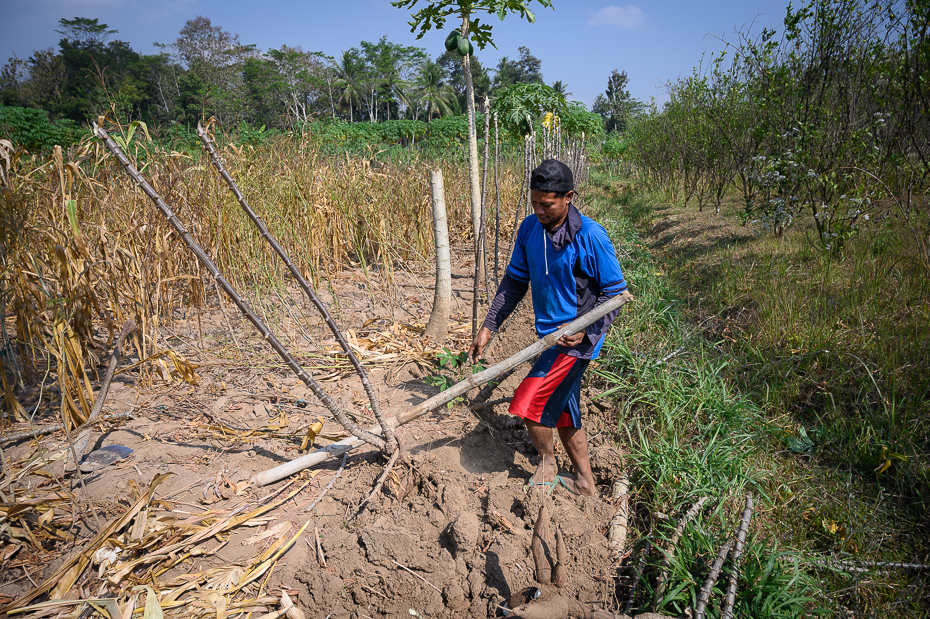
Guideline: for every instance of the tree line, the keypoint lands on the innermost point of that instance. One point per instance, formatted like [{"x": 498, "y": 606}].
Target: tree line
[
  {"x": 208, "y": 71},
  {"x": 827, "y": 118}
]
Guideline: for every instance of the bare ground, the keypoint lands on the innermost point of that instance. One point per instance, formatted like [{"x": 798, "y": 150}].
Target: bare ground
[{"x": 455, "y": 544}]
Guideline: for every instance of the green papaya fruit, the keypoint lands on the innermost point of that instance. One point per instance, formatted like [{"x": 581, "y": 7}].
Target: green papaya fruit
[
  {"x": 464, "y": 46},
  {"x": 452, "y": 41}
]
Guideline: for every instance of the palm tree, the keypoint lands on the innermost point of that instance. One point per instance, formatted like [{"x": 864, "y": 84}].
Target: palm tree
[
  {"x": 561, "y": 88},
  {"x": 435, "y": 94},
  {"x": 348, "y": 80}
]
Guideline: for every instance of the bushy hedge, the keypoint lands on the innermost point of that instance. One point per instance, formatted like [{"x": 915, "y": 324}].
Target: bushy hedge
[{"x": 33, "y": 130}]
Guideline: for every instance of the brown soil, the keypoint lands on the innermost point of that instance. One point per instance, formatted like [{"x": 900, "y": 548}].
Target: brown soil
[{"x": 456, "y": 545}]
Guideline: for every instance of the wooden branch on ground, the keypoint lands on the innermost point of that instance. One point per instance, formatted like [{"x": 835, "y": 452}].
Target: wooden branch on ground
[
  {"x": 390, "y": 441},
  {"x": 737, "y": 554},
  {"x": 80, "y": 443},
  {"x": 244, "y": 307},
  {"x": 670, "y": 551},
  {"x": 472, "y": 382},
  {"x": 616, "y": 534}
]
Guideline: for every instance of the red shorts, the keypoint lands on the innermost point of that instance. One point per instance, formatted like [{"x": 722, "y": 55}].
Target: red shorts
[{"x": 551, "y": 393}]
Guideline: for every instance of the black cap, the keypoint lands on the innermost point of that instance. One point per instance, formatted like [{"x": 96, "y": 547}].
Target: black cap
[{"x": 552, "y": 175}]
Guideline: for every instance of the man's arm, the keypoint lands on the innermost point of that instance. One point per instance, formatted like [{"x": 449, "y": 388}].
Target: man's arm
[{"x": 510, "y": 292}]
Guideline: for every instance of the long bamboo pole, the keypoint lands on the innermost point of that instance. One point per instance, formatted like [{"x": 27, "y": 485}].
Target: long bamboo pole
[
  {"x": 217, "y": 161},
  {"x": 243, "y": 306},
  {"x": 472, "y": 382}
]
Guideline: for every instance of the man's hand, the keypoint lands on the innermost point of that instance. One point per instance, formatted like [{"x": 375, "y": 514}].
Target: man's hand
[
  {"x": 570, "y": 341},
  {"x": 476, "y": 352}
]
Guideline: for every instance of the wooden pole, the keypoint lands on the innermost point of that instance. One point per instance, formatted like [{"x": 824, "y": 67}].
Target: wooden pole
[
  {"x": 243, "y": 306},
  {"x": 472, "y": 382},
  {"x": 390, "y": 441}
]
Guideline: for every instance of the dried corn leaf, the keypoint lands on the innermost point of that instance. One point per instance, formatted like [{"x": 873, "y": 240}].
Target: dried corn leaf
[
  {"x": 152, "y": 607},
  {"x": 65, "y": 576},
  {"x": 278, "y": 529},
  {"x": 315, "y": 428},
  {"x": 107, "y": 604}
]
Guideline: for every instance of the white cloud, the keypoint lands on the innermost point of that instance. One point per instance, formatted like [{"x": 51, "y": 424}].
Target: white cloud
[{"x": 630, "y": 16}]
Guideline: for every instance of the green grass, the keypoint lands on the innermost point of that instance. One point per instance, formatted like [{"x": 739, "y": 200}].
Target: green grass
[{"x": 765, "y": 365}]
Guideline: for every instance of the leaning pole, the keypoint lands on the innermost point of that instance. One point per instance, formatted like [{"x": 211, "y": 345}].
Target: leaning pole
[{"x": 475, "y": 380}]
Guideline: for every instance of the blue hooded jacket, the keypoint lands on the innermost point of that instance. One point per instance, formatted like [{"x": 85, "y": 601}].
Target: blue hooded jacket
[{"x": 571, "y": 271}]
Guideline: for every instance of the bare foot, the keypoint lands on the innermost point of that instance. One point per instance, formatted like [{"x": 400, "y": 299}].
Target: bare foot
[
  {"x": 545, "y": 472},
  {"x": 578, "y": 486}
]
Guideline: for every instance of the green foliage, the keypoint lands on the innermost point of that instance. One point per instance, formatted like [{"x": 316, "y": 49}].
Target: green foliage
[
  {"x": 772, "y": 583},
  {"x": 436, "y": 12},
  {"x": 690, "y": 433},
  {"x": 31, "y": 129},
  {"x": 520, "y": 105},
  {"x": 763, "y": 363},
  {"x": 577, "y": 120},
  {"x": 616, "y": 107},
  {"x": 439, "y": 133},
  {"x": 453, "y": 363},
  {"x": 526, "y": 70},
  {"x": 827, "y": 123},
  {"x": 83, "y": 29}
]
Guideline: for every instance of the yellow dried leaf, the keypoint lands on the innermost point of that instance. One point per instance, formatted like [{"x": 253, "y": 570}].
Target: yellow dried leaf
[
  {"x": 46, "y": 517},
  {"x": 315, "y": 428},
  {"x": 275, "y": 531}
]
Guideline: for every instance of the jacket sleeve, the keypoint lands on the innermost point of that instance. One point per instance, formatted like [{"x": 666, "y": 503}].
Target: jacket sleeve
[
  {"x": 509, "y": 294},
  {"x": 514, "y": 284}
]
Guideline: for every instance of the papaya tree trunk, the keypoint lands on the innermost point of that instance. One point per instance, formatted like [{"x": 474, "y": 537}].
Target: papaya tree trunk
[
  {"x": 438, "y": 323},
  {"x": 474, "y": 180}
]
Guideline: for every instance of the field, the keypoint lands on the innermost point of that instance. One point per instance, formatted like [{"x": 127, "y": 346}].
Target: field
[{"x": 750, "y": 364}]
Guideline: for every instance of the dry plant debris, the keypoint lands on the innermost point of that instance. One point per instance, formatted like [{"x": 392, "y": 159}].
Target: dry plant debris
[{"x": 135, "y": 555}]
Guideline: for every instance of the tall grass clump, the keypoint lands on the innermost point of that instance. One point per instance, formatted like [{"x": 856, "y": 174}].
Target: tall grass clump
[
  {"x": 767, "y": 364},
  {"x": 815, "y": 136},
  {"x": 691, "y": 433}
]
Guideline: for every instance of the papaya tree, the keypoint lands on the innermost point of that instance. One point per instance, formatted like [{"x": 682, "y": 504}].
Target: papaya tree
[
  {"x": 473, "y": 31},
  {"x": 434, "y": 15}
]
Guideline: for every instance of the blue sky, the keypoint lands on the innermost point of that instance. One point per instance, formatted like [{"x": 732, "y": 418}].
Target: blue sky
[{"x": 579, "y": 42}]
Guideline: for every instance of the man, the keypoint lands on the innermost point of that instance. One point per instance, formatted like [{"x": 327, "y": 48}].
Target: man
[{"x": 572, "y": 267}]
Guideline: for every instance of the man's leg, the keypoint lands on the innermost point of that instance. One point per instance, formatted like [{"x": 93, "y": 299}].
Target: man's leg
[
  {"x": 576, "y": 445},
  {"x": 542, "y": 438}
]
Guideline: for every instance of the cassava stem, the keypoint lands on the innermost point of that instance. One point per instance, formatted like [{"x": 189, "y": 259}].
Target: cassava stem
[
  {"x": 616, "y": 535},
  {"x": 670, "y": 551},
  {"x": 737, "y": 555},
  {"x": 711, "y": 579},
  {"x": 390, "y": 441},
  {"x": 363, "y": 435},
  {"x": 471, "y": 382}
]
